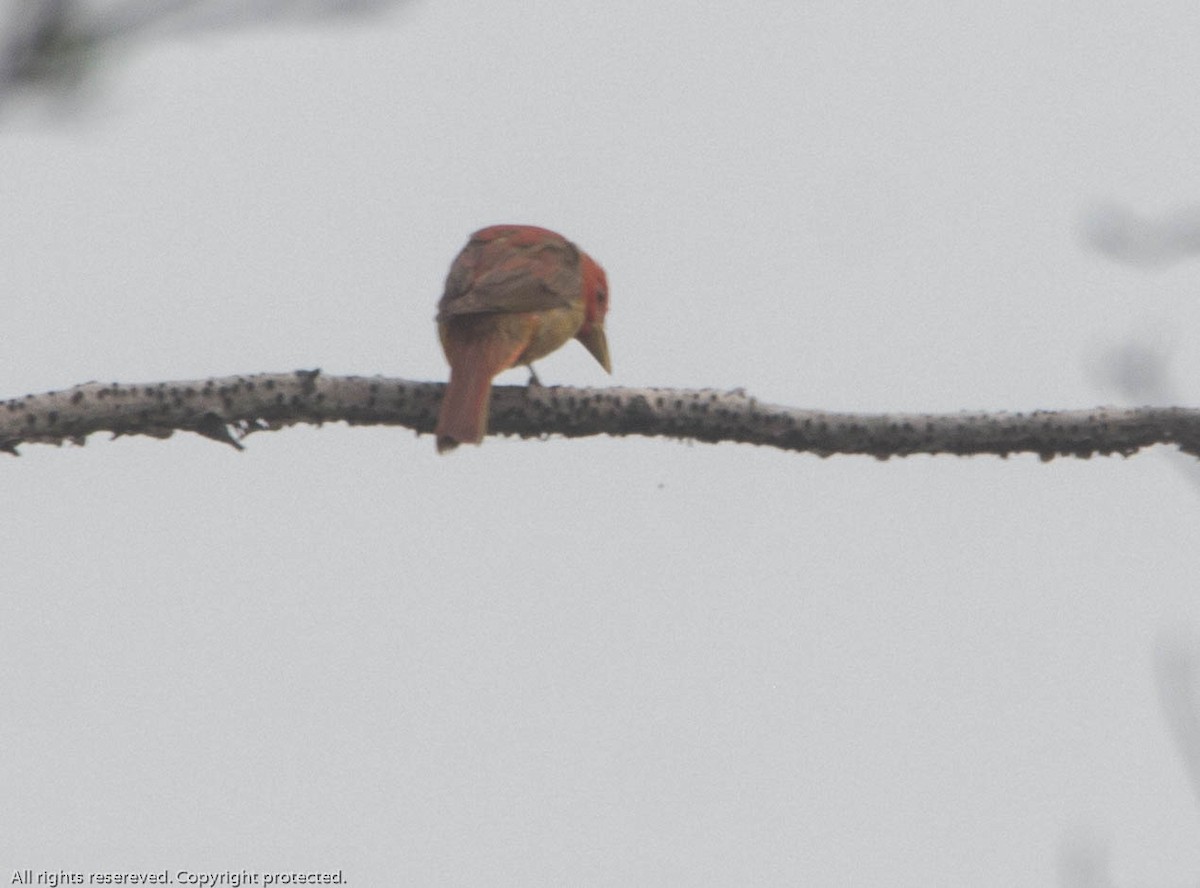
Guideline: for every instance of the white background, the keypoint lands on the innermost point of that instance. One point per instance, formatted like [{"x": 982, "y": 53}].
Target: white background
[{"x": 606, "y": 662}]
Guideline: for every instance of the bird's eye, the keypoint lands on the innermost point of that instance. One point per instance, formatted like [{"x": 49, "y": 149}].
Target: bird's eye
[{"x": 601, "y": 297}]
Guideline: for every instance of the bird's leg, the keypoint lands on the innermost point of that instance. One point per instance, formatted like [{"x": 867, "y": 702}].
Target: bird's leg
[{"x": 534, "y": 382}]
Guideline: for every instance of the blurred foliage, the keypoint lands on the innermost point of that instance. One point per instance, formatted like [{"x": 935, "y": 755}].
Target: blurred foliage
[
  {"x": 51, "y": 48},
  {"x": 1124, "y": 236}
]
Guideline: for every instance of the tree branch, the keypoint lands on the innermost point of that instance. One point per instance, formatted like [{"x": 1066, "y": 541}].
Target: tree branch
[{"x": 230, "y": 408}]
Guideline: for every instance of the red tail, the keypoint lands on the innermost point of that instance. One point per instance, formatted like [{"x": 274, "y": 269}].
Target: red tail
[
  {"x": 477, "y": 348},
  {"x": 464, "y": 413}
]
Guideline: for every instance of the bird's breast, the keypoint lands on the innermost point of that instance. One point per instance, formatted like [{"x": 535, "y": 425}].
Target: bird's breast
[{"x": 554, "y": 328}]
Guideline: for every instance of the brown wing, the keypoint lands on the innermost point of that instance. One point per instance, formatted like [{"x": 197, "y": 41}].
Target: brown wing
[{"x": 506, "y": 269}]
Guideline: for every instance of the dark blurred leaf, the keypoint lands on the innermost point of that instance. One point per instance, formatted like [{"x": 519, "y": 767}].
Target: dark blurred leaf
[{"x": 51, "y": 47}]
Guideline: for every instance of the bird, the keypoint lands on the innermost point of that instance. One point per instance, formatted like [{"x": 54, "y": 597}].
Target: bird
[{"x": 514, "y": 294}]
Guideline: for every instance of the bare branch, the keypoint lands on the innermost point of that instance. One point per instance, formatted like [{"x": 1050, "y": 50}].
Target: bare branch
[
  {"x": 228, "y": 409},
  {"x": 1138, "y": 370}
]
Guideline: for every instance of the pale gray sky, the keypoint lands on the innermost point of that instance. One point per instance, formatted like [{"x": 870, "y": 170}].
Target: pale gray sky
[{"x": 605, "y": 662}]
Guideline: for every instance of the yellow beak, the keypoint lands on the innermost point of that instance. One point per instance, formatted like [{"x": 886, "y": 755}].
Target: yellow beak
[{"x": 596, "y": 342}]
